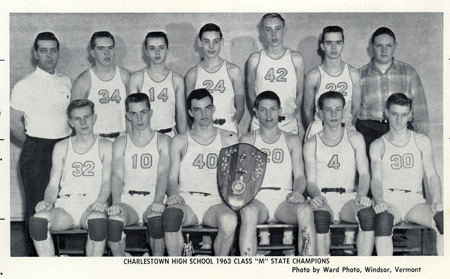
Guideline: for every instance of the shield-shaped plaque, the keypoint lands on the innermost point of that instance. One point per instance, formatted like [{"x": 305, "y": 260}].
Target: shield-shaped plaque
[{"x": 240, "y": 174}]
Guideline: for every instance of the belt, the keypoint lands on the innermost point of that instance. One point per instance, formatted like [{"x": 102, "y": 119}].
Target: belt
[
  {"x": 199, "y": 193},
  {"x": 165, "y": 131},
  {"x": 339, "y": 190},
  {"x": 43, "y": 140},
  {"x": 69, "y": 195},
  {"x": 134, "y": 192},
  {"x": 111, "y": 135},
  {"x": 271, "y": 188},
  {"x": 378, "y": 121},
  {"x": 219, "y": 121},
  {"x": 404, "y": 190}
]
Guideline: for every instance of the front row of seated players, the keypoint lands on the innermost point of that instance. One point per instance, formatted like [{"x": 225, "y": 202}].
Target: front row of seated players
[
  {"x": 79, "y": 185},
  {"x": 140, "y": 165},
  {"x": 332, "y": 158}
]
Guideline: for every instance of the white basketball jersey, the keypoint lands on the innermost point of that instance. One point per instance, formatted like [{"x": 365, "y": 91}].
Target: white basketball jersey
[
  {"x": 162, "y": 100},
  {"x": 141, "y": 165},
  {"x": 109, "y": 99},
  {"x": 279, "y": 162},
  {"x": 402, "y": 165},
  {"x": 82, "y": 172},
  {"x": 199, "y": 165},
  {"x": 278, "y": 75},
  {"x": 219, "y": 84},
  {"x": 335, "y": 165},
  {"x": 341, "y": 83}
]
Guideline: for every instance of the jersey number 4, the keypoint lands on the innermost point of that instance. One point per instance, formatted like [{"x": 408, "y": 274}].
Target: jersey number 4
[
  {"x": 106, "y": 98},
  {"x": 211, "y": 161},
  {"x": 281, "y": 73},
  {"x": 220, "y": 86},
  {"x": 334, "y": 162},
  {"x": 162, "y": 95},
  {"x": 83, "y": 169}
]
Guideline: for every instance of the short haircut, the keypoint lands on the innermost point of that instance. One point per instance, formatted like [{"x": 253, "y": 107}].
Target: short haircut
[
  {"x": 199, "y": 94},
  {"x": 272, "y": 15},
  {"x": 45, "y": 36},
  {"x": 330, "y": 95},
  {"x": 209, "y": 27},
  {"x": 398, "y": 99},
  {"x": 79, "y": 103},
  {"x": 266, "y": 95},
  {"x": 383, "y": 31},
  {"x": 332, "y": 29},
  {"x": 137, "y": 98},
  {"x": 156, "y": 34},
  {"x": 101, "y": 34}
]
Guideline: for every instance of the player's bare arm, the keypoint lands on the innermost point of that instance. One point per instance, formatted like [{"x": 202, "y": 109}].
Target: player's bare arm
[
  {"x": 299, "y": 186},
  {"x": 434, "y": 182},
  {"x": 80, "y": 86},
  {"x": 163, "y": 174},
  {"x": 356, "y": 96},
  {"x": 229, "y": 138},
  {"x": 312, "y": 82},
  {"x": 180, "y": 103},
  {"x": 52, "y": 190},
  {"x": 190, "y": 79},
  {"x": 362, "y": 166},
  {"x": 248, "y": 138},
  {"x": 17, "y": 125},
  {"x": 238, "y": 86},
  {"x": 299, "y": 65},
  {"x": 250, "y": 78},
  {"x": 105, "y": 190},
  {"x": 136, "y": 80},
  {"x": 178, "y": 147},
  {"x": 376, "y": 149},
  {"x": 309, "y": 153},
  {"x": 117, "y": 175},
  {"x": 125, "y": 75}
]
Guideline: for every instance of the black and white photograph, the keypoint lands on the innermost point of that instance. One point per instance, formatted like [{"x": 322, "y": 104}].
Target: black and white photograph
[{"x": 242, "y": 140}]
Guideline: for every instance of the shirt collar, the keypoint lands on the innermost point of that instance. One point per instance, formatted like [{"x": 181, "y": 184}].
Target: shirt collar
[
  {"x": 374, "y": 68},
  {"x": 43, "y": 73}
]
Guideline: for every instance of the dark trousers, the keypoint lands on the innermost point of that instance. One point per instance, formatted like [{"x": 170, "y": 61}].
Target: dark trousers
[
  {"x": 35, "y": 164},
  {"x": 371, "y": 130}
]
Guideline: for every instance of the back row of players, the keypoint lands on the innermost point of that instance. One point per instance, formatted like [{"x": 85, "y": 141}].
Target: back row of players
[{"x": 276, "y": 69}]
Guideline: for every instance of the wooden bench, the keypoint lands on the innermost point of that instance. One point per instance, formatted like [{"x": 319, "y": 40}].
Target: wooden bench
[{"x": 71, "y": 242}]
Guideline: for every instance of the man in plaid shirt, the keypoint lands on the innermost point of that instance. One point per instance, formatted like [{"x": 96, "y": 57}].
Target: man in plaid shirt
[{"x": 382, "y": 77}]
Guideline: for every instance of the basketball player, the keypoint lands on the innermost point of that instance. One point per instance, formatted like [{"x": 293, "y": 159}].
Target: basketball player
[
  {"x": 221, "y": 78},
  {"x": 193, "y": 194},
  {"x": 139, "y": 180},
  {"x": 79, "y": 185},
  {"x": 333, "y": 157},
  {"x": 105, "y": 85},
  {"x": 332, "y": 75},
  {"x": 277, "y": 69},
  {"x": 164, "y": 87},
  {"x": 401, "y": 159},
  {"x": 281, "y": 195}
]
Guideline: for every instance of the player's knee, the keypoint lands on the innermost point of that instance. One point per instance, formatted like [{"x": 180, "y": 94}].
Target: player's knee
[
  {"x": 305, "y": 212},
  {"x": 97, "y": 229},
  {"x": 366, "y": 217},
  {"x": 322, "y": 219},
  {"x": 155, "y": 227},
  {"x": 384, "y": 224},
  {"x": 172, "y": 219},
  {"x": 38, "y": 228},
  {"x": 115, "y": 230},
  {"x": 439, "y": 220},
  {"x": 227, "y": 222}
]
